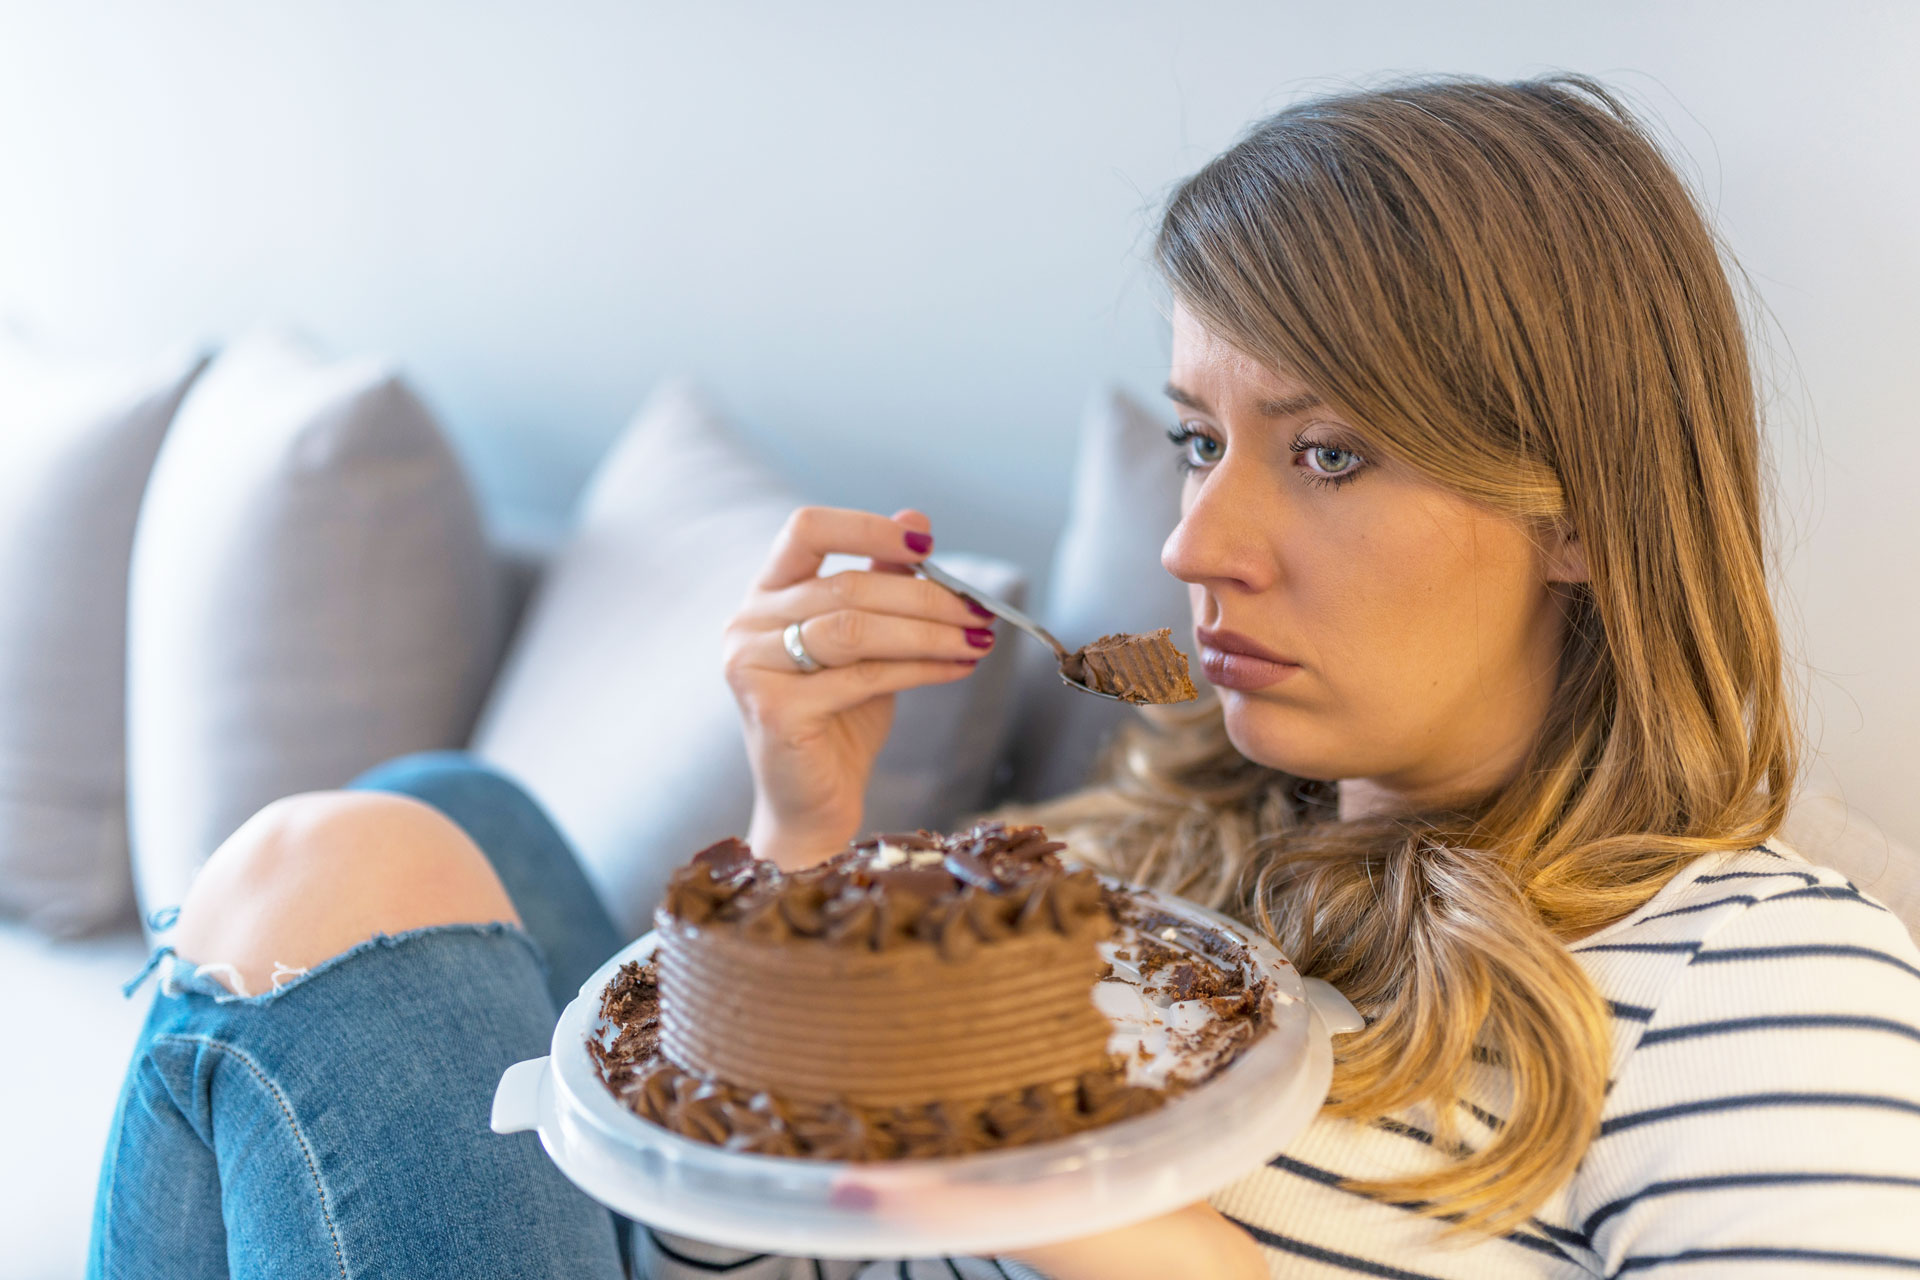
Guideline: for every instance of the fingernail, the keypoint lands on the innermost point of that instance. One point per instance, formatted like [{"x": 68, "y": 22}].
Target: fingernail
[
  {"x": 985, "y": 613},
  {"x": 919, "y": 543},
  {"x": 980, "y": 637}
]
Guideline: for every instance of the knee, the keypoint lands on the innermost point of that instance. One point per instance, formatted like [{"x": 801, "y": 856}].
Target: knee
[
  {"x": 421, "y": 770},
  {"x": 311, "y": 875},
  {"x": 477, "y": 796}
]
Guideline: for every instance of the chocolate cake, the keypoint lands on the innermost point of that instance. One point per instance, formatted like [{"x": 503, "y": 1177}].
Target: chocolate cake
[
  {"x": 916, "y": 995},
  {"x": 1138, "y": 668}
]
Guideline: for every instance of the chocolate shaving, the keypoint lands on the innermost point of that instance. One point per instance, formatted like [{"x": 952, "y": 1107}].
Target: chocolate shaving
[{"x": 884, "y": 891}]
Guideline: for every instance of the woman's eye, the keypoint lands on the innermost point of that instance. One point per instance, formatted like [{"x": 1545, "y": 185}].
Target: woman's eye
[
  {"x": 1329, "y": 461},
  {"x": 1197, "y": 449},
  {"x": 1328, "y": 464}
]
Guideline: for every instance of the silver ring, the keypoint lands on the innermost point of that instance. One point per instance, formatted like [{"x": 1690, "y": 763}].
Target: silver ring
[{"x": 798, "y": 651}]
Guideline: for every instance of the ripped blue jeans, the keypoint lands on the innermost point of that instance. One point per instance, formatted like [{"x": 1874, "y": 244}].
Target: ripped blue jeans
[{"x": 340, "y": 1121}]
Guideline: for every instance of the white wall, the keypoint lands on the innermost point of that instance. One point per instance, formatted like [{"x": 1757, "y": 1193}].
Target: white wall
[{"x": 903, "y": 241}]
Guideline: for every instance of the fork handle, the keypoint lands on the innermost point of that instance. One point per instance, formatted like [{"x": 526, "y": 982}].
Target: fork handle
[{"x": 999, "y": 608}]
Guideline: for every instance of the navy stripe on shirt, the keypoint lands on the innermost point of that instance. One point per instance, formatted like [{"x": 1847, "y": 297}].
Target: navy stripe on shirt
[
  {"x": 1747, "y": 898},
  {"x": 1460, "y": 1151},
  {"x": 1345, "y": 1261},
  {"x": 1641, "y": 1262},
  {"x": 1629, "y": 1012},
  {"x": 1729, "y": 955},
  {"x": 1848, "y": 892},
  {"x": 1328, "y": 1178},
  {"x": 700, "y": 1264},
  {"x": 1401, "y": 1129},
  {"x": 1743, "y": 1101},
  {"x": 1676, "y": 948},
  {"x": 1778, "y": 1021},
  {"x": 1718, "y": 1181},
  {"x": 1756, "y": 875},
  {"x": 1831, "y": 892}
]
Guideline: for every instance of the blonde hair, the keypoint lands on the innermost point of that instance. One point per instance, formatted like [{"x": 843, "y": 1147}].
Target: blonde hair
[{"x": 1510, "y": 290}]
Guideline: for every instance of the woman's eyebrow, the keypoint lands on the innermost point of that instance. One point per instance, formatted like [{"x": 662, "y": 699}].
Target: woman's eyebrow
[{"x": 1285, "y": 407}]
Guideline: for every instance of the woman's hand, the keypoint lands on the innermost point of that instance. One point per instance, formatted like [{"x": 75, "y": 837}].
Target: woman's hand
[
  {"x": 812, "y": 737},
  {"x": 1194, "y": 1241}
]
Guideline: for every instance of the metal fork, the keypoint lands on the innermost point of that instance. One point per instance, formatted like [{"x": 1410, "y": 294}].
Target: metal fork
[{"x": 1001, "y": 609}]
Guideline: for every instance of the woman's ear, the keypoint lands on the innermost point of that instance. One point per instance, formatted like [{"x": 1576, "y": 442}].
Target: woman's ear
[{"x": 1566, "y": 558}]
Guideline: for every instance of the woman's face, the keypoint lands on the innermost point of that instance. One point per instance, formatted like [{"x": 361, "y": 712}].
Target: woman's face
[{"x": 1419, "y": 635}]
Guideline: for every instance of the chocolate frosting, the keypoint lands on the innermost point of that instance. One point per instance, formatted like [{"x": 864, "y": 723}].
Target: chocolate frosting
[
  {"x": 712, "y": 1110},
  {"x": 889, "y": 890},
  {"x": 914, "y": 996}
]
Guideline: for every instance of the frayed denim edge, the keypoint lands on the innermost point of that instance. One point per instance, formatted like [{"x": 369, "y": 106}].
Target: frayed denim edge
[{"x": 181, "y": 979}]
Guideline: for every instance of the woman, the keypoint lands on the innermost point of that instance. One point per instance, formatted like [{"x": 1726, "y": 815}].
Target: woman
[{"x": 1472, "y": 529}]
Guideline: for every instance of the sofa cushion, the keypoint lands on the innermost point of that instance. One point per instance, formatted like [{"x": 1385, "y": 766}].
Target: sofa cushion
[
  {"x": 312, "y": 592},
  {"x": 1106, "y": 577},
  {"x": 612, "y": 707},
  {"x": 1829, "y": 832},
  {"x": 77, "y": 441}
]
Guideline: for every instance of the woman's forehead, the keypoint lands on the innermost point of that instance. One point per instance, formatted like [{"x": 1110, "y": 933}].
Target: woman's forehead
[{"x": 1206, "y": 368}]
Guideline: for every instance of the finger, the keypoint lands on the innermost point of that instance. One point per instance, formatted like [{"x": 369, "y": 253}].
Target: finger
[
  {"x": 838, "y": 688},
  {"x": 911, "y": 519},
  {"x": 848, "y": 636},
  {"x": 811, "y": 534},
  {"x": 907, "y": 597}
]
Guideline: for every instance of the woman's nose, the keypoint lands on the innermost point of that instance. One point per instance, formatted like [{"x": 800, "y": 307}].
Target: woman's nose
[{"x": 1219, "y": 539}]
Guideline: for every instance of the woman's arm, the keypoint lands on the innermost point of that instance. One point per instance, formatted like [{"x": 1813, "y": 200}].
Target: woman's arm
[
  {"x": 1194, "y": 1241},
  {"x": 1191, "y": 1242}
]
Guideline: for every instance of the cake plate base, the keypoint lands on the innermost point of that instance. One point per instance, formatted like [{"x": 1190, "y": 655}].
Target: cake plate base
[{"x": 983, "y": 1204}]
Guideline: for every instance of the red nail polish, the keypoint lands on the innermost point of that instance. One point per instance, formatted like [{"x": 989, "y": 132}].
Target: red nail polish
[
  {"x": 985, "y": 613},
  {"x": 919, "y": 543},
  {"x": 980, "y": 637}
]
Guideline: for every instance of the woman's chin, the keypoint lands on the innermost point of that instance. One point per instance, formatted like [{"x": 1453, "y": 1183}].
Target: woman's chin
[{"x": 1278, "y": 738}]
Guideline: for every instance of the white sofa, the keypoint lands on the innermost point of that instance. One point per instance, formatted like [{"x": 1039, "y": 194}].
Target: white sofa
[
  {"x": 581, "y": 660},
  {"x": 310, "y": 590}
]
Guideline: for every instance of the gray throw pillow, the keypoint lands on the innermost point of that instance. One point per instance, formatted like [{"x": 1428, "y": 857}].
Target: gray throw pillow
[
  {"x": 1106, "y": 577},
  {"x": 312, "y": 592},
  {"x": 77, "y": 441},
  {"x": 612, "y": 707}
]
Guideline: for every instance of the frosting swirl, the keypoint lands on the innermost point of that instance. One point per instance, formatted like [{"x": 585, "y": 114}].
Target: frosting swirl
[{"x": 950, "y": 892}]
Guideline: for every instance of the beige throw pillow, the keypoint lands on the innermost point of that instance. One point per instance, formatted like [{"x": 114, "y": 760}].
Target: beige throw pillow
[
  {"x": 77, "y": 441},
  {"x": 612, "y": 707},
  {"x": 312, "y": 592},
  {"x": 1106, "y": 577}
]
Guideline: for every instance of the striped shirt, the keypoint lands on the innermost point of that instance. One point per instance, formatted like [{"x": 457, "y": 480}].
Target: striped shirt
[{"x": 1762, "y": 1120}]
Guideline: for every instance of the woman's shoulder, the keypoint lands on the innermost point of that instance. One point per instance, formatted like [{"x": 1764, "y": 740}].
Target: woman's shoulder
[
  {"x": 1766, "y": 1065},
  {"x": 1768, "y": 894},
  {"x": 1749, "y": 929}
]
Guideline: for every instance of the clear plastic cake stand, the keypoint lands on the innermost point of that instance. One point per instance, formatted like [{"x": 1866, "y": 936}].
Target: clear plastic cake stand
[{"x": 987, "y": 1203}]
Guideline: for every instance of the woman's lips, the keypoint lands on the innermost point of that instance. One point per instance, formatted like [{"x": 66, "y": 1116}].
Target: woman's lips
[
  {"x": 1233, "y": 661},
  {"x": 1230, "y": 670}
]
